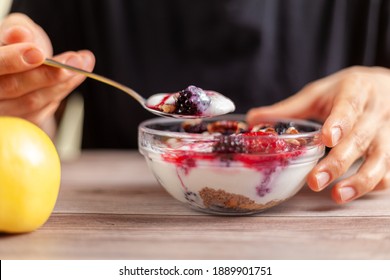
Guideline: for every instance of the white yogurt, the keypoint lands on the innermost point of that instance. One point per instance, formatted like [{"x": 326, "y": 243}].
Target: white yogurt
[{"x": 264, "y": 186}]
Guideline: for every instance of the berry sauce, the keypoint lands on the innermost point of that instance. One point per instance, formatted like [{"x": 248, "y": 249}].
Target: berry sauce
[{"x": 258, "y": 148}]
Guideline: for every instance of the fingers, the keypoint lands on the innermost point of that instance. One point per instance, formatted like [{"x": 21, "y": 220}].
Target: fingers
[
  {"x": 357, "y": 126},
  {"x": 373, "y": 174},
  {"x": 349, "y": 144},
  {"x": 343, "y": 155},
  {"x": 37, "y": 88},
  {"x": 38, "y": 99},
  {"x": 43, "y": 116},
  {"x": 19, "y": 84},
  {"x": 18, "y": 28},
  {"x": 19, "y": 57}
]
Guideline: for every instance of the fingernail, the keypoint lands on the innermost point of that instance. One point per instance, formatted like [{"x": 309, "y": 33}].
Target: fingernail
[
  {"x": 322, "y": 179},
  {"x": 74, "y": 61},
  {"x": 336, "y": 135},
  {"x": 347, "y": 193},
  {"x": 33, "y": 56},
  {"x": 86, "y": 60}
]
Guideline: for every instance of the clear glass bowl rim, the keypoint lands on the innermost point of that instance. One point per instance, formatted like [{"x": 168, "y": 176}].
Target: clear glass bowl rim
[{"x": 143, "y": 127}]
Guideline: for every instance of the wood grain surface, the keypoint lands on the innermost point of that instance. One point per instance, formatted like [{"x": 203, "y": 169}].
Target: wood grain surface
[{"x": 111, "y": 207}]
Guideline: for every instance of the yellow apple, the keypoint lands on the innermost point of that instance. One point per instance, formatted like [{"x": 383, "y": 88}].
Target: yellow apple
[{"x": 30, "y": 173}]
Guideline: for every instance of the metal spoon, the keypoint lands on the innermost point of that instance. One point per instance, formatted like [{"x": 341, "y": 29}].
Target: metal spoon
[{"x": 219, "y": 103}]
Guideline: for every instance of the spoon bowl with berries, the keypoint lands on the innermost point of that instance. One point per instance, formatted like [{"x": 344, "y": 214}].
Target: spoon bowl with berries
[
  {"x": 190, "y": 103},
  {"x": 224, "y": 166}
]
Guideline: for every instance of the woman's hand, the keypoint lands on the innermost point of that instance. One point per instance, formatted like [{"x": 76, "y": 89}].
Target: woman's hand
[
  {"x": 354, "y": 107},
  {"x": 29, "y": 89}
]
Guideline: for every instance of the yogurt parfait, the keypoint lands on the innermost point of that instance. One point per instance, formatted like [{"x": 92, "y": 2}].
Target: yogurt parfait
[{"x": 224, "y": 166}]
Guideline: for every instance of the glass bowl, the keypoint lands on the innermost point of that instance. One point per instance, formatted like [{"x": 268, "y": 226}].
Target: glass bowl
[{"x": 222, "y": 166}]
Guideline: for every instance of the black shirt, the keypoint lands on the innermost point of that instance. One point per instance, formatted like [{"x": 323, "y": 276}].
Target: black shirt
[{"x": 256, "y": 52}]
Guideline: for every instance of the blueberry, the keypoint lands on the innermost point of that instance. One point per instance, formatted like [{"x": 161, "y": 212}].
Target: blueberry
[
  {"x": 281, "y": 128},
  {"x": 190, "y": 196}
]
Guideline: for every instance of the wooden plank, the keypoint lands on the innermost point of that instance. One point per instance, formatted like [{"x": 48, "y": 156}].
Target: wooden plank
[{"x": 97, "y": 236}]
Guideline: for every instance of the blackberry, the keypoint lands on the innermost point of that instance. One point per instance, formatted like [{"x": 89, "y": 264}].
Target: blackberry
[
  {"x": 191, "y": 101},
  {"x": 228, "y": 144}
]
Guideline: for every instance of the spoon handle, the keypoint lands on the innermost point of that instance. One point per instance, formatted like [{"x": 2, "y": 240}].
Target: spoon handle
[{"x": 129, "y": 91}]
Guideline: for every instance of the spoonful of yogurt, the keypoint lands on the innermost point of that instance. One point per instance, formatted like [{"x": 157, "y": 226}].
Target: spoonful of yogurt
[{"x": 190, "y": 103}]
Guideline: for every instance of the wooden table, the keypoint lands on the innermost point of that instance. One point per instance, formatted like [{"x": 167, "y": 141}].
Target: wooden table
[{"x": 111, "y": 207}]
